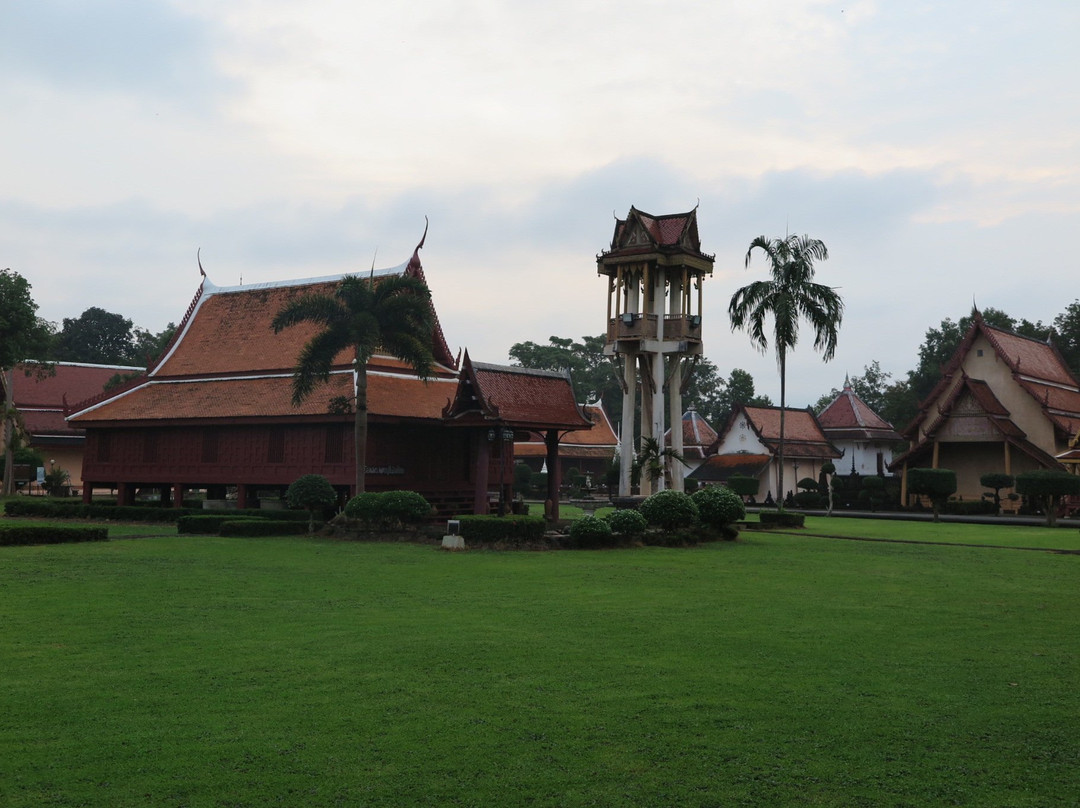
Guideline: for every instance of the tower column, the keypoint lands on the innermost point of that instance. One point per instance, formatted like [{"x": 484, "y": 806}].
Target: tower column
[
  {"x": 626, "y": 438},
  {"x": 675, "y": 416}
]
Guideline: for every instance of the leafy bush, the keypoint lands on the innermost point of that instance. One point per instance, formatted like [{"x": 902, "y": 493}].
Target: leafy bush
[
  {"x": 997, "y": 481},
  {"x": 262, "y": 527},
  {"x": 670, "y": 510},
  {"x": 44, "y": 534},
  {"x": 389, "y": 510},
  {"x": 488, "y": 529},
  {"x": 405, "y": 507},
  {"x": 312, "y": 492},
  {"x": 365, "y": 507},
  {"x": 590, "y": 531},
  {"x": 718, "y": 505},
  {"x": 627, "y": 522},
  {"x": 807, "y": 484}
]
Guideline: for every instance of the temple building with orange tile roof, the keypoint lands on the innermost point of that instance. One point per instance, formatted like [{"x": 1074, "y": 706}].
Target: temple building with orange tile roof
[
  {"x": 749, "y": 442},
  {"x": 698, "y": 436},
  {"x": 215, "y": 413},
  {"x": 1005, "y": 403},
  {"x": 40, "y": 393},
  {"x": 865, "y": 438}
]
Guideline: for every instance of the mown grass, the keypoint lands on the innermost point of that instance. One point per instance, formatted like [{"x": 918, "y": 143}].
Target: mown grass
[
  {"x": 777, "y": 670},
  {"x": 1001, "y": 535}
]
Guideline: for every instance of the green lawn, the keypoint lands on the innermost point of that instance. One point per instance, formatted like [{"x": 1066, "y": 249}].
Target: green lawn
[{"x": 776, "y": 670}]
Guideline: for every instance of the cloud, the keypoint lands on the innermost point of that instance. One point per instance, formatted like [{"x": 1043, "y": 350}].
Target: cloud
[{"x": 108, "y": 45}]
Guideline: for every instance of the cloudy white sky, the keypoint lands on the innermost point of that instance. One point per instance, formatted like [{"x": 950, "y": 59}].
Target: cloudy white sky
[{"x": 933, "y": 146}]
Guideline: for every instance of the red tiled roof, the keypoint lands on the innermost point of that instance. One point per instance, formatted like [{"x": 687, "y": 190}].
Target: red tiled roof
[
  {"x": 799, "y": 425},
  {"x": 75, "y": 381},
  {"x": 719, "y": 468},
  {"x": 848, "y": 416},
  {"x": 47, "y": 422},
  {"x": 599, "y": 442},
  {"x": 269, "y": 397},
  {"x": 517, "y": 396},
  {"x": 571, "y": 451},
  {"x": 1030, "y": 357}
]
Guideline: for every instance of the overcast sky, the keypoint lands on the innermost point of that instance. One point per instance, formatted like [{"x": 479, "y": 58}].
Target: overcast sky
[{"x": 933, "y": 146}]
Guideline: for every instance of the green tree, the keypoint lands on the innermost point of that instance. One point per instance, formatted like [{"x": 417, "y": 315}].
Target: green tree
[
  {"x": 21, "y": 336},
  {"x": 96, "y": 336},
  {"x": 652, "y": 461},
  {"x": 941, "y": 343},
  {"x": 937, "y": 484},
  {"x": 1047, "y": 488},
  {"x": 790, "y": 295},
  {"x": 361, "y": 316},
  {"x": 146, "y": 346},
  {"x": 1067, "y": 336},
  {"x": 997, "y": 481},
  {"x": 311, "y": 492}
]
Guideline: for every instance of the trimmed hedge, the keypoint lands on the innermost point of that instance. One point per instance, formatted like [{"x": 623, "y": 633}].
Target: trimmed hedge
[
  {"x": 207, "y": 524},
  {"x": 389, "y": 509},
  {"x": 782, "y": 519},
  {"x": 718, "y": 505},
  {"x": 970, "y": 507},
  {"x": 263, "y": 527},
  {"x": 50, "y": 509},
  {"x": 627, "y": 522},
  {"x": 42, "y": 534},
  {"x": 489, "y": 529}
]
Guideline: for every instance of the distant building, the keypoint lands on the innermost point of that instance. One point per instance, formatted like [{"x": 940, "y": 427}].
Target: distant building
[
  {"x": 863, "y": 436},
  {"x": 41, "y": 399},
  {"x": 697, "y": 437},
  {"x": 749, "y": 444},
  {"x": 590, "y": 451},
  {"x": 1005, "y": 403}
]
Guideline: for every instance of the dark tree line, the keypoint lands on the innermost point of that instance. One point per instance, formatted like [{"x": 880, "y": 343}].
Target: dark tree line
[{"x": 100, "y": 337}]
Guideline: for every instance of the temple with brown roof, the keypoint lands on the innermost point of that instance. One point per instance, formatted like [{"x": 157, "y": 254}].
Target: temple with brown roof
[
  {"x": 864, "y": 437},
  {"x": 216, "y": 412},
  {"x": 1005, "y": 403},
  {"x": 749, "y": 443},
  {"x": 40, "y": 393}
]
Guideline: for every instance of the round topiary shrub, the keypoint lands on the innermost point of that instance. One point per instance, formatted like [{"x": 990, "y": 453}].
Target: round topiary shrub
[
  {"x": 718, "y": 506},
  {"x": 311, "y": 492},
  {"x": 626, "y": 522},
  {"x": 670, "y": 510},
  {"x": 590, "y": 531},
  {"x": 404, "y": 507},
  {"x": 365, "y": 507}
]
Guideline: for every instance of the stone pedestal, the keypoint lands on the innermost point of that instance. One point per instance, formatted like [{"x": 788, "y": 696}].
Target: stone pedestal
[{"x": 453, "y": 543}]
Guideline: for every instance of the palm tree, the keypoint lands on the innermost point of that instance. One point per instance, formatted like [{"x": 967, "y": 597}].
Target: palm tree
[
  {"x": 392, "y": 315},
  {"x": 789, "y": 296},
  {"x": 653, "y": 461}
]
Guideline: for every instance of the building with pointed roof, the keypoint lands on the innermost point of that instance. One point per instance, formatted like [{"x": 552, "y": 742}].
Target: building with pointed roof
[
  {"x": 1005, "y": 403},
  {"x": 41, "y": 395},
  {"x": 749, "y": 444},
  {"x": 697, "y": 437},
  {"x": 864, "y": 437},
  {"x": 216, "y": 411}
]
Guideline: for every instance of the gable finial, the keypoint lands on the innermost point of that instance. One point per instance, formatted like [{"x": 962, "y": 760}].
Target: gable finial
[{"x": 198, "y": 258}]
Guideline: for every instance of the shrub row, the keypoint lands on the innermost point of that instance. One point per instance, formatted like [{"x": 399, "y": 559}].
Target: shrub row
[
  {"x": 970, "y": 507},
  {"x": 50, "y": 509},
  {"x": 782, "y": 519},
  {"x": 41, "y": 534},
  {"x": 490, "y": 529},
  {"x": 262, "y": 527}
]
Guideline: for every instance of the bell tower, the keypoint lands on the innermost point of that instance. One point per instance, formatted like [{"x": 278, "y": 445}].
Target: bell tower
[{"x": 655, "y": 270}]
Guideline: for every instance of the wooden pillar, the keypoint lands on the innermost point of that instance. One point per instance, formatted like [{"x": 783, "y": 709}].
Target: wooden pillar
[
  {"x": 626, "y": 438},
  {"x": 1008, "y": 459},
  {"x": 903, "y": 485},
  {"x": 242, "y": 492},
  {"x": 178, "y": 495},
  {"x": 554, "y": 480},
  {"x": 483, "y": 462},
  {"x": 125, "y": 493},
  {"x": 937, "y": 454},
  {"x": 87, "y": 492}
]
